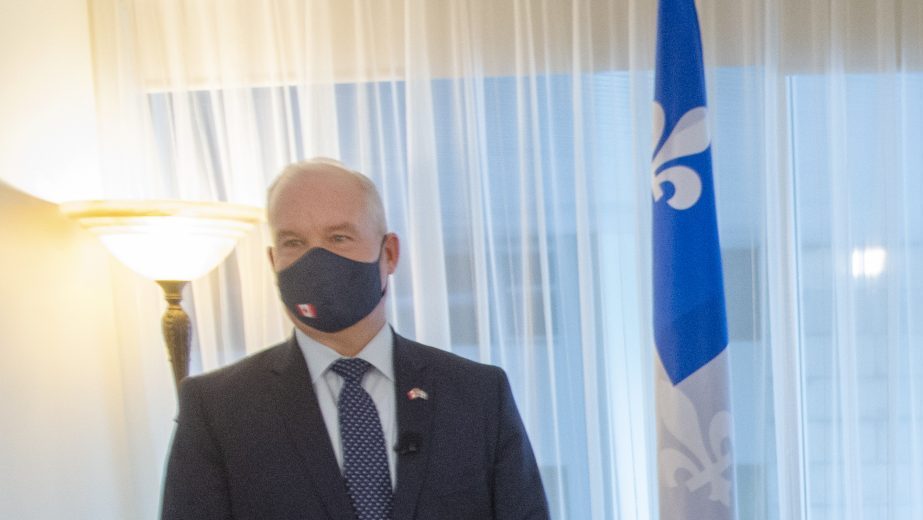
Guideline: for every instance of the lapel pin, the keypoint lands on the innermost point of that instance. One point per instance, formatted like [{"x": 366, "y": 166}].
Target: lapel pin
[{"x": 416, "y": 393}]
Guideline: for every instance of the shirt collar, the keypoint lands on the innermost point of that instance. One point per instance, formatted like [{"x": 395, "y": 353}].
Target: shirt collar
[{"x": 378, "y": 352}]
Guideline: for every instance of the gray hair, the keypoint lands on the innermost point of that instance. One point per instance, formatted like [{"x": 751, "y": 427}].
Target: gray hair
[{"x": 373, "y": 199}]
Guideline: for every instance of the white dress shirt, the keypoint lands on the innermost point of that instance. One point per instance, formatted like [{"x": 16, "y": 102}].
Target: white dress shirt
[{"x": 378, "y": 382}]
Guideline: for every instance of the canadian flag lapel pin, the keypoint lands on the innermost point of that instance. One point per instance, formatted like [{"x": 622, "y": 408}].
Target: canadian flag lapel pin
[{"x": 417, "y": 393}]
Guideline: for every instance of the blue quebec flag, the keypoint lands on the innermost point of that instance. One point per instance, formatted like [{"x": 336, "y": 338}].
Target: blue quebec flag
[{"x": 694, "y": 426}]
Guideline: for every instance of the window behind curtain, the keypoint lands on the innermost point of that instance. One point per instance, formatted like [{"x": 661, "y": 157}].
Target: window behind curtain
[{"x": 856, "y": 156}]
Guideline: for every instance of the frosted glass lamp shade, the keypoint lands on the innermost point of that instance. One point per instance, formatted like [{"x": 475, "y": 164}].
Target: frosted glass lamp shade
[
  {"x": 171, "y": 242},
  {"x": 166, "y": 239}
]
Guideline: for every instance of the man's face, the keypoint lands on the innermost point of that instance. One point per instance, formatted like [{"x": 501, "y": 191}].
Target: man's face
[{"x": 326, "y": 209}]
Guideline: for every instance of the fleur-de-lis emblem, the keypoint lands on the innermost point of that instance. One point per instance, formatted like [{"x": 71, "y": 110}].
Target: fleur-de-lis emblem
[
  {"x": 688, "y": 137},
  {"x": 707, "y": 465}
]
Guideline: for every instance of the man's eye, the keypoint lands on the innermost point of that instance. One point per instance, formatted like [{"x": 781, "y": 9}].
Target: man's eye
[
  {"x": 340, "y": 238},
  {"x": 292, "y": 242}
]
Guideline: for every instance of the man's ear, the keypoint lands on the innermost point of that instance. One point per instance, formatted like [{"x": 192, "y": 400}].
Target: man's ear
[
  {"x": 272, "y": 259},
  {"x": 392, "y": 252}
]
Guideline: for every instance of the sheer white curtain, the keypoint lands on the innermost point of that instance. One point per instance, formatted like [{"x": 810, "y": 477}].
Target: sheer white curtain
[
  {"x": 510, "y": 141},
  {"x": 855, "y": 129}
]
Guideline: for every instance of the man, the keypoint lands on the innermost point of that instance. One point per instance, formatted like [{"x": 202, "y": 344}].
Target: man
[{"x": 347, "y": 419}]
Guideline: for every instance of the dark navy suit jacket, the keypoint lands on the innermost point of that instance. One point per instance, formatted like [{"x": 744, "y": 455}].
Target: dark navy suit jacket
[{"x": 250, "y": 443}]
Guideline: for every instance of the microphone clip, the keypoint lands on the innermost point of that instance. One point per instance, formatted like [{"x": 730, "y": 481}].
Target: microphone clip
[{"x": 408, "y": 443}]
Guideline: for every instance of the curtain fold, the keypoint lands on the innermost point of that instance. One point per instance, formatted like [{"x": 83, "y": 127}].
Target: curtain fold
[{"x": 510, "y": 140}]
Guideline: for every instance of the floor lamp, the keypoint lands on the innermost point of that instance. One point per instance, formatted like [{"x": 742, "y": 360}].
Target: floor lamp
[{"x": 171, "y": 242}]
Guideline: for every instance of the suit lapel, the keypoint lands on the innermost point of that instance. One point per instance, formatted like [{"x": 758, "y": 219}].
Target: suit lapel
[
  {"x": 297, "y": 404},
  {"x": 414, "y": 423}
]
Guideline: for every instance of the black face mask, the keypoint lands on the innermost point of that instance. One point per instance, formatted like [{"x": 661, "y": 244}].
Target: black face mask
[{"x": 329, "y": 292}]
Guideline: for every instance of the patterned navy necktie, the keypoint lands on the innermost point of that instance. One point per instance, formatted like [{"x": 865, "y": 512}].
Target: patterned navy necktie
[{"x": 365, "y": 459}]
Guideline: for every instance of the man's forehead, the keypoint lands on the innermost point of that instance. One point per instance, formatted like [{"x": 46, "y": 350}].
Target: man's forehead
[
  {"x": 323, "y": 196},
  {"x": 300, "y": 215},
  {"x": 315, "y": 183}
]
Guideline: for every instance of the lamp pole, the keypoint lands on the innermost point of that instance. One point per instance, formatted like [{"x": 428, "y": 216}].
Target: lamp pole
[{"x": 176, "y": 327}]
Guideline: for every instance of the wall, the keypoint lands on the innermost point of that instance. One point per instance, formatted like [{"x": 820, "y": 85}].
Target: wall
[
  {"x": 71, "y": 390},
  {"x": 48, "y": 143},
  {"x": 63, "y": 440}
]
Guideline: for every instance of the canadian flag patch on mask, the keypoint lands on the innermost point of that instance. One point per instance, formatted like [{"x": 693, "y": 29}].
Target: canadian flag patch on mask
[{"x": 307, "y": 310}]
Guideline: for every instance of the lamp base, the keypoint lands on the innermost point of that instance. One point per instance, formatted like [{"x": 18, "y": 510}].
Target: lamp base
[{"x": 176, "y": 328}]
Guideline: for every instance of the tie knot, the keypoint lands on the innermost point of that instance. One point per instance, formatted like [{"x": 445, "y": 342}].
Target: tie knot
[{"x": 351, "y": 369}]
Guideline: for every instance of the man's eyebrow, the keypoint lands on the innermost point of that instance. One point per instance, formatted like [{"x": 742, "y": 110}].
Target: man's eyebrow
[{"x": 345, "y": 226}]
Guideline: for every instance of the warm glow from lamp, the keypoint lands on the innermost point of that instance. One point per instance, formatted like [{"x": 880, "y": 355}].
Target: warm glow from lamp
[
  {"x": 171, "y": 242},
  {"x": 166, "y": 240}
]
